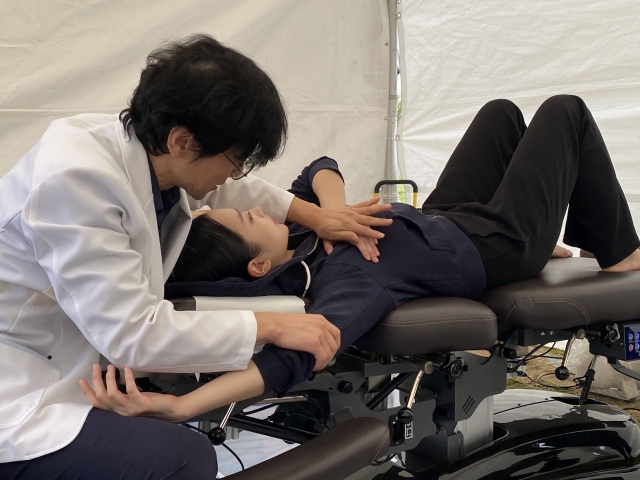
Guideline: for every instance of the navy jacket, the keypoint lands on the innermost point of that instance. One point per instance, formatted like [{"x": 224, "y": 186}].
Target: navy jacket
[{"x": 420, "y": 256}]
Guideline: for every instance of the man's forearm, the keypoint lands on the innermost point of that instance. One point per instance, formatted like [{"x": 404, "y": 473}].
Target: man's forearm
[
  {"x": 304, "y": 213},
  {"x": 265, "y": 328}
]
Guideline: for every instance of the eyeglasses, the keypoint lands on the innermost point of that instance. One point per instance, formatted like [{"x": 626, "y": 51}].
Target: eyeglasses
[{"x": 242, "y": 169}]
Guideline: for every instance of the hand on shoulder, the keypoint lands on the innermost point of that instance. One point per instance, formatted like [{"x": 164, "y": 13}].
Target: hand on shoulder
[{"x": 300, "y": 331}]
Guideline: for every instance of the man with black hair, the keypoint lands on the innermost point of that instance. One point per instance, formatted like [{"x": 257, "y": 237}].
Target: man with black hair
[{"x": 92, "y": 221}]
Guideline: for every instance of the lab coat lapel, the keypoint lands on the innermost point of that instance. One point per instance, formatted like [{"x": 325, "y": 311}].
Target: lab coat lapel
[{"x": 136, "y": 165}]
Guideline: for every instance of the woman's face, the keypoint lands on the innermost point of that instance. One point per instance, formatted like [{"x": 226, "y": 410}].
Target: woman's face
[{"x": 256, "y": 228}]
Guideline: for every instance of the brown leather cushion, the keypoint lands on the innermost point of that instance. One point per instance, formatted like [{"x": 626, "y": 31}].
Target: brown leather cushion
[
  {"x": 334, "y": 455},
  {"x": 430, "y": 325},
  {"x": 570, "y": 292}
]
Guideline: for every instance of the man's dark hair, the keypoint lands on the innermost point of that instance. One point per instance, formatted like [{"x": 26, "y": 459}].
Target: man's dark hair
[
  {"x": 222, "y": 97},
  {"x": 213, "y": 252}
]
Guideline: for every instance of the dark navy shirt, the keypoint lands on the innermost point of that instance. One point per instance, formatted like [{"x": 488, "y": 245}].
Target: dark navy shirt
[
  {"x": 420, "y": 256},
  {"x": 163, "y": 201}
]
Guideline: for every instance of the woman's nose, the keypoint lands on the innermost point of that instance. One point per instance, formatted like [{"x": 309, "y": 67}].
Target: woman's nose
[{"x": 257, "y": 211}]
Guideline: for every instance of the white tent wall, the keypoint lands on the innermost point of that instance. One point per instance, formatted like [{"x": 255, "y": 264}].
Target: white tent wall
[
  {"x": 459, "y": 55},
  {"x": 328, "y": 58}
]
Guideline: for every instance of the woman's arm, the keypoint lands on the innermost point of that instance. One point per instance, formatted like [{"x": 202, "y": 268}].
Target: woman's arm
[
  {"x": 224, "y": 390},
  {"x": 319, "y": 185},
  {"x": 350, "y": 297},
  {"x": 328, "y": 186}
]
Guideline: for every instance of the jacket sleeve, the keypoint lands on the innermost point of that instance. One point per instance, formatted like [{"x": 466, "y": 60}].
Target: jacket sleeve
[
  {"x": 246, "y": 193},
  {"x": 348, "y": 297},
  {"x": 302, "y": 186},
  {"x": 82, "y": 239}
]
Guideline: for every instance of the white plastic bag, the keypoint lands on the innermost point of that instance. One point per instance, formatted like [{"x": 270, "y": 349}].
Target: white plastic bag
[{"x": 606, "y": 381}]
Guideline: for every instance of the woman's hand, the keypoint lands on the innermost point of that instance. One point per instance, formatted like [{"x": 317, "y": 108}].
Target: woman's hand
[
  {"x": 366, "y": 245},
  {"x": 134, "y": 402}
]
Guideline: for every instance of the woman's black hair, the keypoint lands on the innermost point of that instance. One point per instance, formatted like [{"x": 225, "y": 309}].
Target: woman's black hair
[
  {"x": 213, "y": 252},
  {"x": 222, "y": 97}
]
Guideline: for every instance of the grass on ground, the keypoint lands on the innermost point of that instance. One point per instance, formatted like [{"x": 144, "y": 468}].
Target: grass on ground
[{"x": 540, "y": 376}]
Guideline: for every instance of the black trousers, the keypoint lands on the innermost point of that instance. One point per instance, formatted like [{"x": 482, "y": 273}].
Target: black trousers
[
  {"x": 111, "y": 447},
  {"x": 508, "y": 187}
]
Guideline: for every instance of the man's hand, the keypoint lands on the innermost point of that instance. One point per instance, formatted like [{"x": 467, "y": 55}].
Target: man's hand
[
  {"x": 352, "y": 224},
  {"x": 300, "y": 331},
  {"x": 344, "y": 224},
  {"x": 196, "y": 213},
  {"x": 105, "y": 395}
]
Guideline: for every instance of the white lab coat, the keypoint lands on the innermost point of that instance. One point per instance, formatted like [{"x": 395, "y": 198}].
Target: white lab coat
[{"x": 82, "y": 273}]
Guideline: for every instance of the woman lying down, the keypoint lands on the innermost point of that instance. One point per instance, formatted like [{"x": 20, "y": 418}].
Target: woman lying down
[{"x": 494, "y": 217}]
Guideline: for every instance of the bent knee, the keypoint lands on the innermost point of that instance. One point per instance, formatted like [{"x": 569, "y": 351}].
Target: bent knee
[
  {"x": 563, "y": 102},
  {"x": 500, "y": 105},
  {"x": 502, "y": 112},
  {"x": 168, "y": 451},
  {"x": 189, "y": 455}
]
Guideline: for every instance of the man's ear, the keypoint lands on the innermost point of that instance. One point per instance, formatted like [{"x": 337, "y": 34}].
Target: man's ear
[
  {"x": 258, "y": 268},
  {"x": 180, "y": 142}
]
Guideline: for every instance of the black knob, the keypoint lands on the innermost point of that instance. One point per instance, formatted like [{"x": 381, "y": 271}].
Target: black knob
[
  {"x": 562, "y": 373},
  {"x": 509, "y": 354},
  {"x": 405, "y": 416},
  {"x": 217, "y": 436},
  {"x": 613, "y": 336},
  {"x": 611, "y": 333},
  {"x": 455, "y": 369},
  {"x": 345, "y": 387}
]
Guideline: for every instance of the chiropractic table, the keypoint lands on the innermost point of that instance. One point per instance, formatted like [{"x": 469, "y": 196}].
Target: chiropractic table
[{"x": 455, "y": 419}]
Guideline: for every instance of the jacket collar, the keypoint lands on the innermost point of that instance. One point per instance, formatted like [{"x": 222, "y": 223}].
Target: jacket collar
[{"x": 289, "y": 278}]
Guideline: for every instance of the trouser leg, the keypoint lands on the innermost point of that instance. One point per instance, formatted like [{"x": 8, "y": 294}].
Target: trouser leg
[
  {"x": 470, "y": 179},
  {"x": 599, "y": 219},
  {"x": 562, "y": 159},
  {"x": 110, "y": 446},
  {"x": 477, "y": 165}
]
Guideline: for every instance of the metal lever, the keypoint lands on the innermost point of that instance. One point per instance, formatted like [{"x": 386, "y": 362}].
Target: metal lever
[
  {"x": 562, "y": 372},
  {"x": 414, "y": 389},
  {"x": 217, "y": 435},
  {"x": 588, "y": 380},
  {"x": 402, "y": 427}
]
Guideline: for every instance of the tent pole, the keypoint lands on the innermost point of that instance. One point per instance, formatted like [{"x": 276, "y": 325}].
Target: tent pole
[{"x": 390, "y": 192}]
